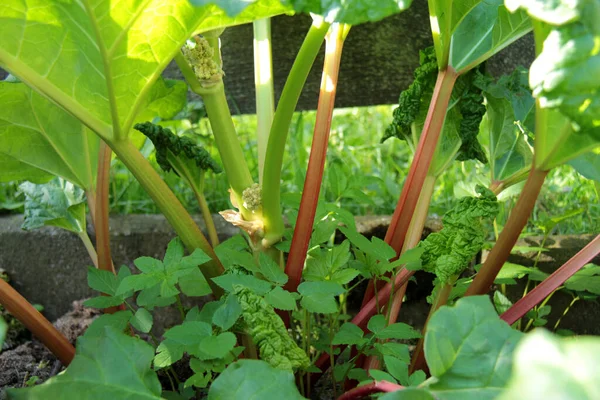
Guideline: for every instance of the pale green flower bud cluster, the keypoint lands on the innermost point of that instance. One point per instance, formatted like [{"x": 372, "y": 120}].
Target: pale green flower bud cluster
[
  {"x": 199, "y": 54},
  {"x": 252, "y": 197}
]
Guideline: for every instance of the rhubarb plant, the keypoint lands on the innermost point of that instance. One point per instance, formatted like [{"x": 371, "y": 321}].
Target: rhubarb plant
[{"x": 86, "y": 84}]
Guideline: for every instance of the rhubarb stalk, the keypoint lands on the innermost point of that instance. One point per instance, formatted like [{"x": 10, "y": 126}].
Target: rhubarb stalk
[
  {"x": 316, "y": 163},
  {"x": 550, "y": 284},
  {"x": 419, "y": 168}
]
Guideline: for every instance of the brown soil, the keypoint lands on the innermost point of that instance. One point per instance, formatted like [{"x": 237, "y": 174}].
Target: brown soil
[{"x": 31, "y": 359}]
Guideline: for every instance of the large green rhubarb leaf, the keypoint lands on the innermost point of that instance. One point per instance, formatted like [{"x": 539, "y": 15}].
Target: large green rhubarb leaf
[
  {"x": 36, "y": 134},
  {"x": 109, "y": 364},
  {"x": 98, "y": 59},
  {"x": 351, "y": 12}
]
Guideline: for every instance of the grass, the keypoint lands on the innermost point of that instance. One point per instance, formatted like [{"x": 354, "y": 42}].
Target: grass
[{"x": 362, "y": 174}]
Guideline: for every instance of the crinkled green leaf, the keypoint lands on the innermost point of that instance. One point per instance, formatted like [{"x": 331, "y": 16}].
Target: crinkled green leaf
[
  {"x": 448, "y": 252},
  {"x": 247, "y": 379},
  {"x": 469, "y": 350},
  {"x": 36, "y": 135},
  {"x": 95, "y": 367},
  {"x": 269, "y": 333},
  {"x": 459, "y": 135},
  {"x": 100, "y": 62},
  {"x": 351, "y": 12},
  {"x": 548, "y": 367},
  {"x": 56, "y": 203}
]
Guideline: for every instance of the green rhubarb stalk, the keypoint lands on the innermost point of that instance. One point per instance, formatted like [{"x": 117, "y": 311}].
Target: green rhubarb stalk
[
  {"x": 316, "y": 163},
  {"x": 271, "y": 184},
  {"x": 169, "y": 205},
  {"x": 263, "y": 83},
  {"x": 206, "y": 79}
]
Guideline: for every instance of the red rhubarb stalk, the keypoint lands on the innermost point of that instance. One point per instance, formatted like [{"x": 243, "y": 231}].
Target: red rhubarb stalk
[
  {"x": 316, "y": 164},
  {"x": 413, "y": 184},
  {"x": 550, "y": 284},
  {"x": 509, "y": 235},
  {"x": 36, "y": 323}
]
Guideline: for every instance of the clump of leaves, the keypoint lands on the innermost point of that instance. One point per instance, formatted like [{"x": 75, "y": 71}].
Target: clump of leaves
[
  {"x": 411, "y": 100},
  {"x": 448, "y": 252},
  {"x": 169, "y": 146},
  {"x": 465, "y": 111}
]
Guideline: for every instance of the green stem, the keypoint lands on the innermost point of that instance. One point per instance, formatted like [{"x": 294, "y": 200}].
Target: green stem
[
  {"x": 227, "y": 141},
  {"x": 195, "y": 179},
  {"x": 219, "y": 115},
  {"x": 575, "y": 299},
  {"x": 279, "y": 130},
  {"x": 170, "y": 206},
  {"x": 509, "y": 235},
  {"x": 208, "y": 220},
  {"x": 180, "y": 307},
  {"x": 318, "y": 152},
  {"x": 89, "y": 247},
  {"x": 263, "y": 83}
]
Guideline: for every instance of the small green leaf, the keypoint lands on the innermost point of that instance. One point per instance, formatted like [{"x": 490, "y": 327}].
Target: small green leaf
[
  {"x": 271, "y": 270},
  {"x": 312, "y": 288},
  {"x": 381, "y": 376},
  {"x": 227, "y": 281},
  {"x": 194, "y": 284},
  {"x": 396, "y": 350},
  {"x": 377, "y": 323},
  {"x": 349, "y": 334},
  {"x": 281, "y": 299},
  {"x": 149, "y": 265},
  {"x": 216, "y": 346},
  {"x": 103, "y": 302},
  {"x": 174, "y": 253},
  {"x": 142, "y": 320},
  {"x": 118, "y": 321},
  {"x": 206, "y": 314},
  {"x": 501, "y": 302},
  {"x": 397, "y": 368},
  {"x": 398, "y": 331},
  {"x": 102, "y": 281},
  {"x": 228, "y": 313},
  {"x": 179, "y": 339},
  {"x": 319, "y": 303},
  {"x": 247, "y": 379}
]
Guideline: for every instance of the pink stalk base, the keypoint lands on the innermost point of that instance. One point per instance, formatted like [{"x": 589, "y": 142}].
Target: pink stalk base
[{"x": 371, "y": 388}]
